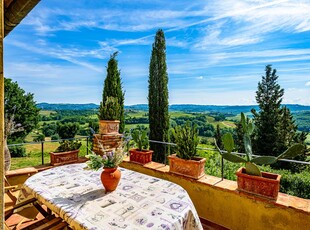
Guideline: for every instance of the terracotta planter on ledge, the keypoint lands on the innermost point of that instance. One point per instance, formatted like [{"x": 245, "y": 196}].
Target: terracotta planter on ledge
[
  {"x": 64, "y": 157},
  {"x": 140, "y": 156},
  {"x": 267, "y": 186},
  {"x": 190, "y": 168},
  {"x": 108, "y": 126}
]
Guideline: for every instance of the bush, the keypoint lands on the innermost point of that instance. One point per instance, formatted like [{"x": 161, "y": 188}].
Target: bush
[
  {"x": 17, "y": 151},
  {"x": 67, "y": 130},
  {"x": 67, "y": 145},
  {"x": 55, "y": 137},
  {"x": 39, "y": 138}
]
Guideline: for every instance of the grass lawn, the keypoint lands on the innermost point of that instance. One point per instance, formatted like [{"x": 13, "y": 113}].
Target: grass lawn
[{"x": 34, "y": 157}]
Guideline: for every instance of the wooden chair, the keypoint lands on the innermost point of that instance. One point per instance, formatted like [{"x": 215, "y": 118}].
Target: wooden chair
[{"x": 49, "y": 221}]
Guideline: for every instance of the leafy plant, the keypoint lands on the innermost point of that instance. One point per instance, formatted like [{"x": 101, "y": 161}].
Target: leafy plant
[
  {"x": 68, "y": 145},
  {"x": 110, "y": 109},
  {"x": 140, "y": 137},
  {"x": 250, "y": 160},
  {"x": 186, "y": 138}
]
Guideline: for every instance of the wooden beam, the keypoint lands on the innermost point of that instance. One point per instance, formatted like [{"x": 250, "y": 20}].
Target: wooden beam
[
  {"x": 16, "y": 12},
  {"x": 1, "y": 117}
]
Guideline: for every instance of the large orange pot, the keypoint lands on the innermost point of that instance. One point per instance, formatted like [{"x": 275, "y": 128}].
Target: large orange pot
[
  {"x": 108, "y": 126},
  {"x": 110, "y": 178},
  {"x": 194, "y": 168},
  {"x": 267, "y": 186},
  {"x": 140, "y": 156}
]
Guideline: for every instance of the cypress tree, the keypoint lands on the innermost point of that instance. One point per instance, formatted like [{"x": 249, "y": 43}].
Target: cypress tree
[
  {"x": 158, "y": 97},
  {"x": 113, "y": 88},
  {"x": 267, "y": 120},
  {"x": 218, "y": 137},
  {"x": 275, "y": 126}
]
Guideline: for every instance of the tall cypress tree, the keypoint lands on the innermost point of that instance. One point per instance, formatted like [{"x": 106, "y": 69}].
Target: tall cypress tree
[
  {"x": 275, "y": 126},
  {"x": 267, "y": 120},
  {"x": 218, "y": 137},
  {"x": 158, "y": 97},
  {"x": 113, "y": 88}
]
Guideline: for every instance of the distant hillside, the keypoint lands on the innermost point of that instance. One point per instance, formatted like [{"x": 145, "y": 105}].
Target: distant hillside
[
  {"x": 47, "y": 106},
  {"x": 234, "y": 109}
]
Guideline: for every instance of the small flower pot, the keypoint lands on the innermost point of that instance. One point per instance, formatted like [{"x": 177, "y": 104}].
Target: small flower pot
[
  {"x": 61, "y": 158},
  {"x": 108, "y": 126},
  {"x": 267, "y": 186},
  {"x": 194, "y": 168},
  {"x": 140, "y": 156}
]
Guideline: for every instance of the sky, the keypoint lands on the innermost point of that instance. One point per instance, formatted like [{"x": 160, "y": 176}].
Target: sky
[{"x": 216, "y": 50}]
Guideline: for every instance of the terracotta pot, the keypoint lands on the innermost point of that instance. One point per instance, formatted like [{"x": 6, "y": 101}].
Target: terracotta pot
[
  {"x": 108, "y": 126},
  {"x": 61, "y": 158},
  {"x": 110, "y": 178},
  {"x": 140, "y": 156},
  {"x": 194, "y": 168},
  {"x": 267, "y": 186}
]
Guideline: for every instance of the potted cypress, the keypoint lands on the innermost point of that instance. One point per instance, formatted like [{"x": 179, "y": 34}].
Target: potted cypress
[
  {"x": 109, "y": 113},
  {"x": 141, "y": 154},
  {"x": 186, "y": 161},
  {"x": 249, "y": 178}
]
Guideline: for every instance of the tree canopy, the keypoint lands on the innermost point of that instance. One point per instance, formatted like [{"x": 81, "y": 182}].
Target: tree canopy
[{"x": 22, "y": 106}]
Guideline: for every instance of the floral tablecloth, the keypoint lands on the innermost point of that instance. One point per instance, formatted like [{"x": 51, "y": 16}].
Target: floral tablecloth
[{"x": 139, "y": 202}]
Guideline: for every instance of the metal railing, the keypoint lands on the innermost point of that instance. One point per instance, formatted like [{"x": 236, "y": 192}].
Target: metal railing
[
  {"x": 222, "y": 159},
  {"x": 59, "y": 140}
]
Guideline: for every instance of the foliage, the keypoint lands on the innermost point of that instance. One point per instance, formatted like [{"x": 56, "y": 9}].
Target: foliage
[
  {"x": 110, "y": 109},
  {"x": 218, "y": 136},
  {"x": 113, "y": 88},
  {"x": 49, "y": 129},
  {"x": 55, "y": 137},
  {"x": 110, "y": 159},
  {"x": 22, "y": 105},
  {"x": 158, "y": 97},
  {"x": 251, "y": 161},
  {"x": 68, "y": 145},
  {"x": 140, "y": 137},
  {"x": 67, "y": 130},
  {"x": 40, "y": 137},
  {"x": 186, "y": 140},
  {"x": 17, "y": 151}
]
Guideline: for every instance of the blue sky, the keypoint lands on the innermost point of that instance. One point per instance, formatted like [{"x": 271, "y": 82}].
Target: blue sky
[{"x": 216, "y": 50}]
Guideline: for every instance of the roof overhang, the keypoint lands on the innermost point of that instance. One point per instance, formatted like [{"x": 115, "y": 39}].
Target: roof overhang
[{"x": 15, "y": 11}]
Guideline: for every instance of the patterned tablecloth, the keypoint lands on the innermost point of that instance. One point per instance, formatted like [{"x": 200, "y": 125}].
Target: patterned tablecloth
[{"x": 139, "y": 202}]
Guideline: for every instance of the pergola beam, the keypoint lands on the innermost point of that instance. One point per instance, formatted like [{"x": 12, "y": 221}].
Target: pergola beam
[{"x": 15, "y": 12}]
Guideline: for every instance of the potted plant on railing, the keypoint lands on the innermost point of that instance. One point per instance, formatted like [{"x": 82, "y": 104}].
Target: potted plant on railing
[
  {"x": 186, "y": 161},
  {"x": 250, "y": 179},
  {"x": 109, "y": 114},
  {"x": 67, "y": 152},
  {"x": 141, "y": 154}
]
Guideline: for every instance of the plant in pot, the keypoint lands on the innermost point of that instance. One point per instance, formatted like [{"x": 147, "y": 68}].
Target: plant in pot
[
  {"x": 68, "y": 150},
  {"x": 186, "y": 161},
  {"x": 109, "y": 161},
  {"x": 109, "y": 114},
  {"x": 141, "y": 154},
  {"x": 249, "y": 178}
]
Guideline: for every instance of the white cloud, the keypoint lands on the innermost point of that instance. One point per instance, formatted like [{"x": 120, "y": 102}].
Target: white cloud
[{"x": 308, "y": 83}]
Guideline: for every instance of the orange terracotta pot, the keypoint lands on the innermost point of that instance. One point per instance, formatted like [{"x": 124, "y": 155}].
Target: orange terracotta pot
[
  {"x": 110, "y": 178},
  {"x": 267, "y": 186},
  {"x": 61, "y": 158},
  {"x": 140, "y": 156},
  {"x": 189, "y": 168},
  {"x": 108, "y": 126}
]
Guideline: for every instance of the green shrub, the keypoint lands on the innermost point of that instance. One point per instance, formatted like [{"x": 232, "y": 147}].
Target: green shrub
[
  {"x": 186, "y": 138},
  {"x": 68, "y": 145},
  {"x": 110, "y": 109},
  {"x": 17, "y": 151},
  {"x": 55, "y": 137},
  {"x": 140, "y": 137},
  {"x": 39, "y": 138}
]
